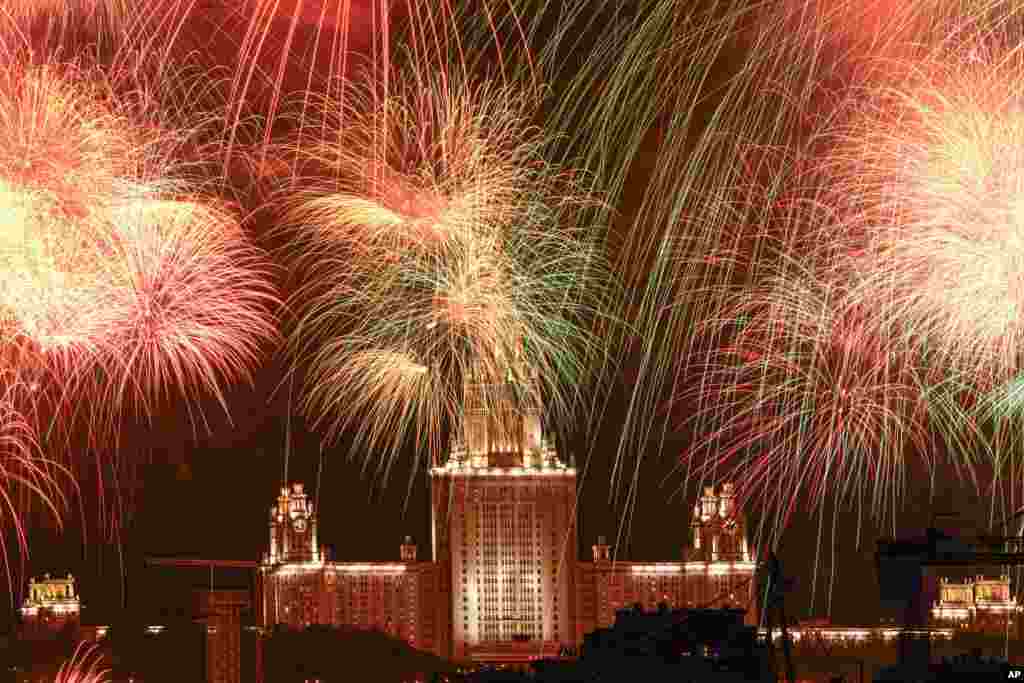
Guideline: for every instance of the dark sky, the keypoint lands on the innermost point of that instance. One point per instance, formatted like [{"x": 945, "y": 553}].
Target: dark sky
[{"x": 209, "y": 496}]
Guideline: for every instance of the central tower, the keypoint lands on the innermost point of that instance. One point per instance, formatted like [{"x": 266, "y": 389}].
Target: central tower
[{"x": 504, "y": 533}]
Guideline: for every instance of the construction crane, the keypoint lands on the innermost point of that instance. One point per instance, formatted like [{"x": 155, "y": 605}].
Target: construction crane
[{"x": 775, "y": 611}]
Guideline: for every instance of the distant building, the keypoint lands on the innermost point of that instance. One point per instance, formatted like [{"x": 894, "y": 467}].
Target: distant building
[
  {"x": 979, "y": 604},
  {"x": 51, "y": 605},
  {"x": 821, "y": 630},
  {"x": 503, "y": 582}
]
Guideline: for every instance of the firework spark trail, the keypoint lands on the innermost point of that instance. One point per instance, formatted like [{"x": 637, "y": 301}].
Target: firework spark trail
[
  {"x": 122, "y": 34},
  {"x": 85, "y": 666},
  {"x": 806, "y": 396},
  {"x": 432, "y": 230},
  {"x": 319, "y": 46},
  {"x": 747, "y": 83},
  {"x": 682, "y": 214},
  {"x": 104, "y": 16},
  {"x": 26, "y": 480},
  {"x": 931, "y": 176},
  {"x": 271, "y": 53}
]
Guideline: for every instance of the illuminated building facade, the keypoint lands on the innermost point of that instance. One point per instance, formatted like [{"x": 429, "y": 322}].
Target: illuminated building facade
[
  {"x": 716, "y": 570},
  {"x": 503, "y": 582},
  {"x": 979, "y": 604},
  {"x": 51, "y": 605},
  {"x": 852, "y": 635},
  {"x": 300, "y": 587},
  {"x": 504, "y": 532}
]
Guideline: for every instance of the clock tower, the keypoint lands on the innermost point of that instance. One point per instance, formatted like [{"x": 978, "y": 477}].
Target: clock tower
[{"x": 293, "y": 528}]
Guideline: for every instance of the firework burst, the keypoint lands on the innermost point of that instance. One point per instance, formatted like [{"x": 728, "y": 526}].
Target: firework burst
[
  {"x": 189, "y": 309},
  {"x": 64, "y": 159},
  {"x": 804, "y": 396},
  {"x": 929, "y": 180},
  {"x": 434, "y": 234},
  {"x": 122, "y": 283}
]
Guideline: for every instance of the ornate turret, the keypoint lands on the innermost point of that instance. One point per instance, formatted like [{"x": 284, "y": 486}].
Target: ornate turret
[
  {"x": 293, "y": 532},
  {"x": 718, "y": 533},
  {"x": 601, "y": 550},
  {"x": 407, "y": 551},
  {"x": 727, "y": 501},
  {"x": 501, "y": 425}
]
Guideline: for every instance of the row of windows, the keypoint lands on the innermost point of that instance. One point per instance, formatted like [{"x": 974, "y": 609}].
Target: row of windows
[
  {"x": 493, "y": 611},
  {"x": 516, "y": 594}
]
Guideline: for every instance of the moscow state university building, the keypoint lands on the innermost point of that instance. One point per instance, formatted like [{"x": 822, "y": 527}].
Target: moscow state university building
[{"x": 503, "y": 579}]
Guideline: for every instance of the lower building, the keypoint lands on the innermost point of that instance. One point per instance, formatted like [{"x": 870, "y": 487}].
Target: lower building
[
  {"x": 820, "y": 630},
  {"x": 982, "y": 605},
  {"x": 673, "y": 644}
]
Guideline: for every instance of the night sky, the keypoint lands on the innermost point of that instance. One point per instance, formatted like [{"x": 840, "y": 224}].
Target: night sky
[{"x": 208, "y": 497}]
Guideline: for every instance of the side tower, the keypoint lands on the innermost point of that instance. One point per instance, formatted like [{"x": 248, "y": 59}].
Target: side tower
[
  {"x": 298, "y": 586},
  {"x": 716, "y": 570},
  {"x": 504, "y": 533},
  {"x": 718, "y": 530},
  {"x": 719, "y": 560},
  {"x": 290, "y": 575},
  {"x": 293, "y": 528}
]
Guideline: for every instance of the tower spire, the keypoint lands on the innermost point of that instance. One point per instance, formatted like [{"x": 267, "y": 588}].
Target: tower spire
[{"x": 501, "y": 423}]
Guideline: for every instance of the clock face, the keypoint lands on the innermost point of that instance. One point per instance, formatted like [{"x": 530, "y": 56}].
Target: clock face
[{"x": 299, "y": 525}]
